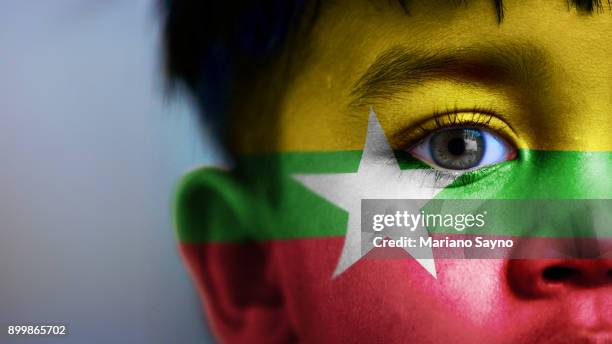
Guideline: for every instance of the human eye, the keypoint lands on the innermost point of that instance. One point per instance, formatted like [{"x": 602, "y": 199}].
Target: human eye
[{"x": 463, "y": 142}]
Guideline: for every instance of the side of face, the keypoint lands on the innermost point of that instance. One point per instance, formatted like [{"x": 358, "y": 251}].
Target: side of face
[{"x": 262, "y": 247}]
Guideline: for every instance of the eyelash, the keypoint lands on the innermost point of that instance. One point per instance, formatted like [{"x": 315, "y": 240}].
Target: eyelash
[
  {"x": 450, "y": 180},
  {"x": 479, "y": 117}
]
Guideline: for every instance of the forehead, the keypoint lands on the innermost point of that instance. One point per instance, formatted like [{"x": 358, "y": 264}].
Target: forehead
[
  {"x": 313, "y": 109},
  {"x": 352, "y": 35}
]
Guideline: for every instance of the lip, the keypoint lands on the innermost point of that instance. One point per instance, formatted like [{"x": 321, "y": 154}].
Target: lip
[
  {"x": 596, "y": 337},
  {"x": 579, "y": 337},
  {"x": 596, "y": 331}
]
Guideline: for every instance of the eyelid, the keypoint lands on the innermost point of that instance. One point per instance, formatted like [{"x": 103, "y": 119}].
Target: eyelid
[{"x": 459, "y": 118}]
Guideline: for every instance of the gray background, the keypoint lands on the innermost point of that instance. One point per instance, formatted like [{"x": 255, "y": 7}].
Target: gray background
[{"x": 90, "y": 153}]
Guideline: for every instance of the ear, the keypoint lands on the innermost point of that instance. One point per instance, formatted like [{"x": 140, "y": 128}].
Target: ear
[{"x": 233, "y": 274}]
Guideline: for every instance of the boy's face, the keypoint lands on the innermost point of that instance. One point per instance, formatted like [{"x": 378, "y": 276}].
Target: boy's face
[{"x": 540, "y": 80}]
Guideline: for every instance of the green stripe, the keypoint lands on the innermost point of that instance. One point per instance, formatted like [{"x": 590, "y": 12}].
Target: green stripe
[{"x": 260, "y": 200}]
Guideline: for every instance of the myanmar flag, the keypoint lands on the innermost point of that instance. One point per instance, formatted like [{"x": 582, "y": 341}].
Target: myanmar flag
[{"x": 274, "y": 247}]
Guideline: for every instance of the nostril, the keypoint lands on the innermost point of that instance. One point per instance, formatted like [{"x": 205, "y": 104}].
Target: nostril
[
  {"x": 534, "y": 279},
  {"x": 558, "y": 274}
]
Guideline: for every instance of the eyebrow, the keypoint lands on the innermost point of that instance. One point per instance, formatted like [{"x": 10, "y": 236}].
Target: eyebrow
[{"x": 399, "y": 69}]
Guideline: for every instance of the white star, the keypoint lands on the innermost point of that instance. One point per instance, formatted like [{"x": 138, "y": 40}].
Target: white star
[{"x": 378, "y": 177}]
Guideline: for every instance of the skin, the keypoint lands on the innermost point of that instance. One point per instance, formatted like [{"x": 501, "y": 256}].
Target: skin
[
  {"x": 312, "y": 88},
  {"x": 558, "y": 98}
]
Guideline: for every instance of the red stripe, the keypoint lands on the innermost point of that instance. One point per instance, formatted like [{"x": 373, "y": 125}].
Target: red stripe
[{"x": 279, "y": 291}]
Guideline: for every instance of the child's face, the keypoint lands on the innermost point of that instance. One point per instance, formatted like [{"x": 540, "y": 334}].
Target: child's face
[{"x": 542, "y": 81}]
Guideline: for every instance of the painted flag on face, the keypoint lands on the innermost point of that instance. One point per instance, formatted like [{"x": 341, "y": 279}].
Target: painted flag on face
[{"x": 281, "y": 212}]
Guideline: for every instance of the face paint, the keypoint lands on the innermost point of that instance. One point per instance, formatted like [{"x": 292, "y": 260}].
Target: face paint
[
  {"x": 378, "y": 177},
  {"x": 303, "y": 128}
]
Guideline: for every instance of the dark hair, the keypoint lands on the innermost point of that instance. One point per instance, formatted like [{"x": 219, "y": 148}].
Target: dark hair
[{"x": 211, "y": 45}]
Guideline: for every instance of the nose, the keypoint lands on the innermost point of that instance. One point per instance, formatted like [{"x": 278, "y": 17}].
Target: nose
[{"x": 542, "y": 278}]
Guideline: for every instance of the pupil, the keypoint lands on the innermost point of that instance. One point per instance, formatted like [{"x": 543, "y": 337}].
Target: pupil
[{"x": 456, "y": 146}]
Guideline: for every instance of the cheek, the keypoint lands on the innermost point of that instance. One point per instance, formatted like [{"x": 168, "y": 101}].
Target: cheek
[
  {"x": 476, "y": 287},
  {"x": 387, "y": 299}
]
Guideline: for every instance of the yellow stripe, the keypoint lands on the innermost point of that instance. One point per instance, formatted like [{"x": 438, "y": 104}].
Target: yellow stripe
[
  {"x": 309, "y": 108},
  {"x": 330, "y": 125}
]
